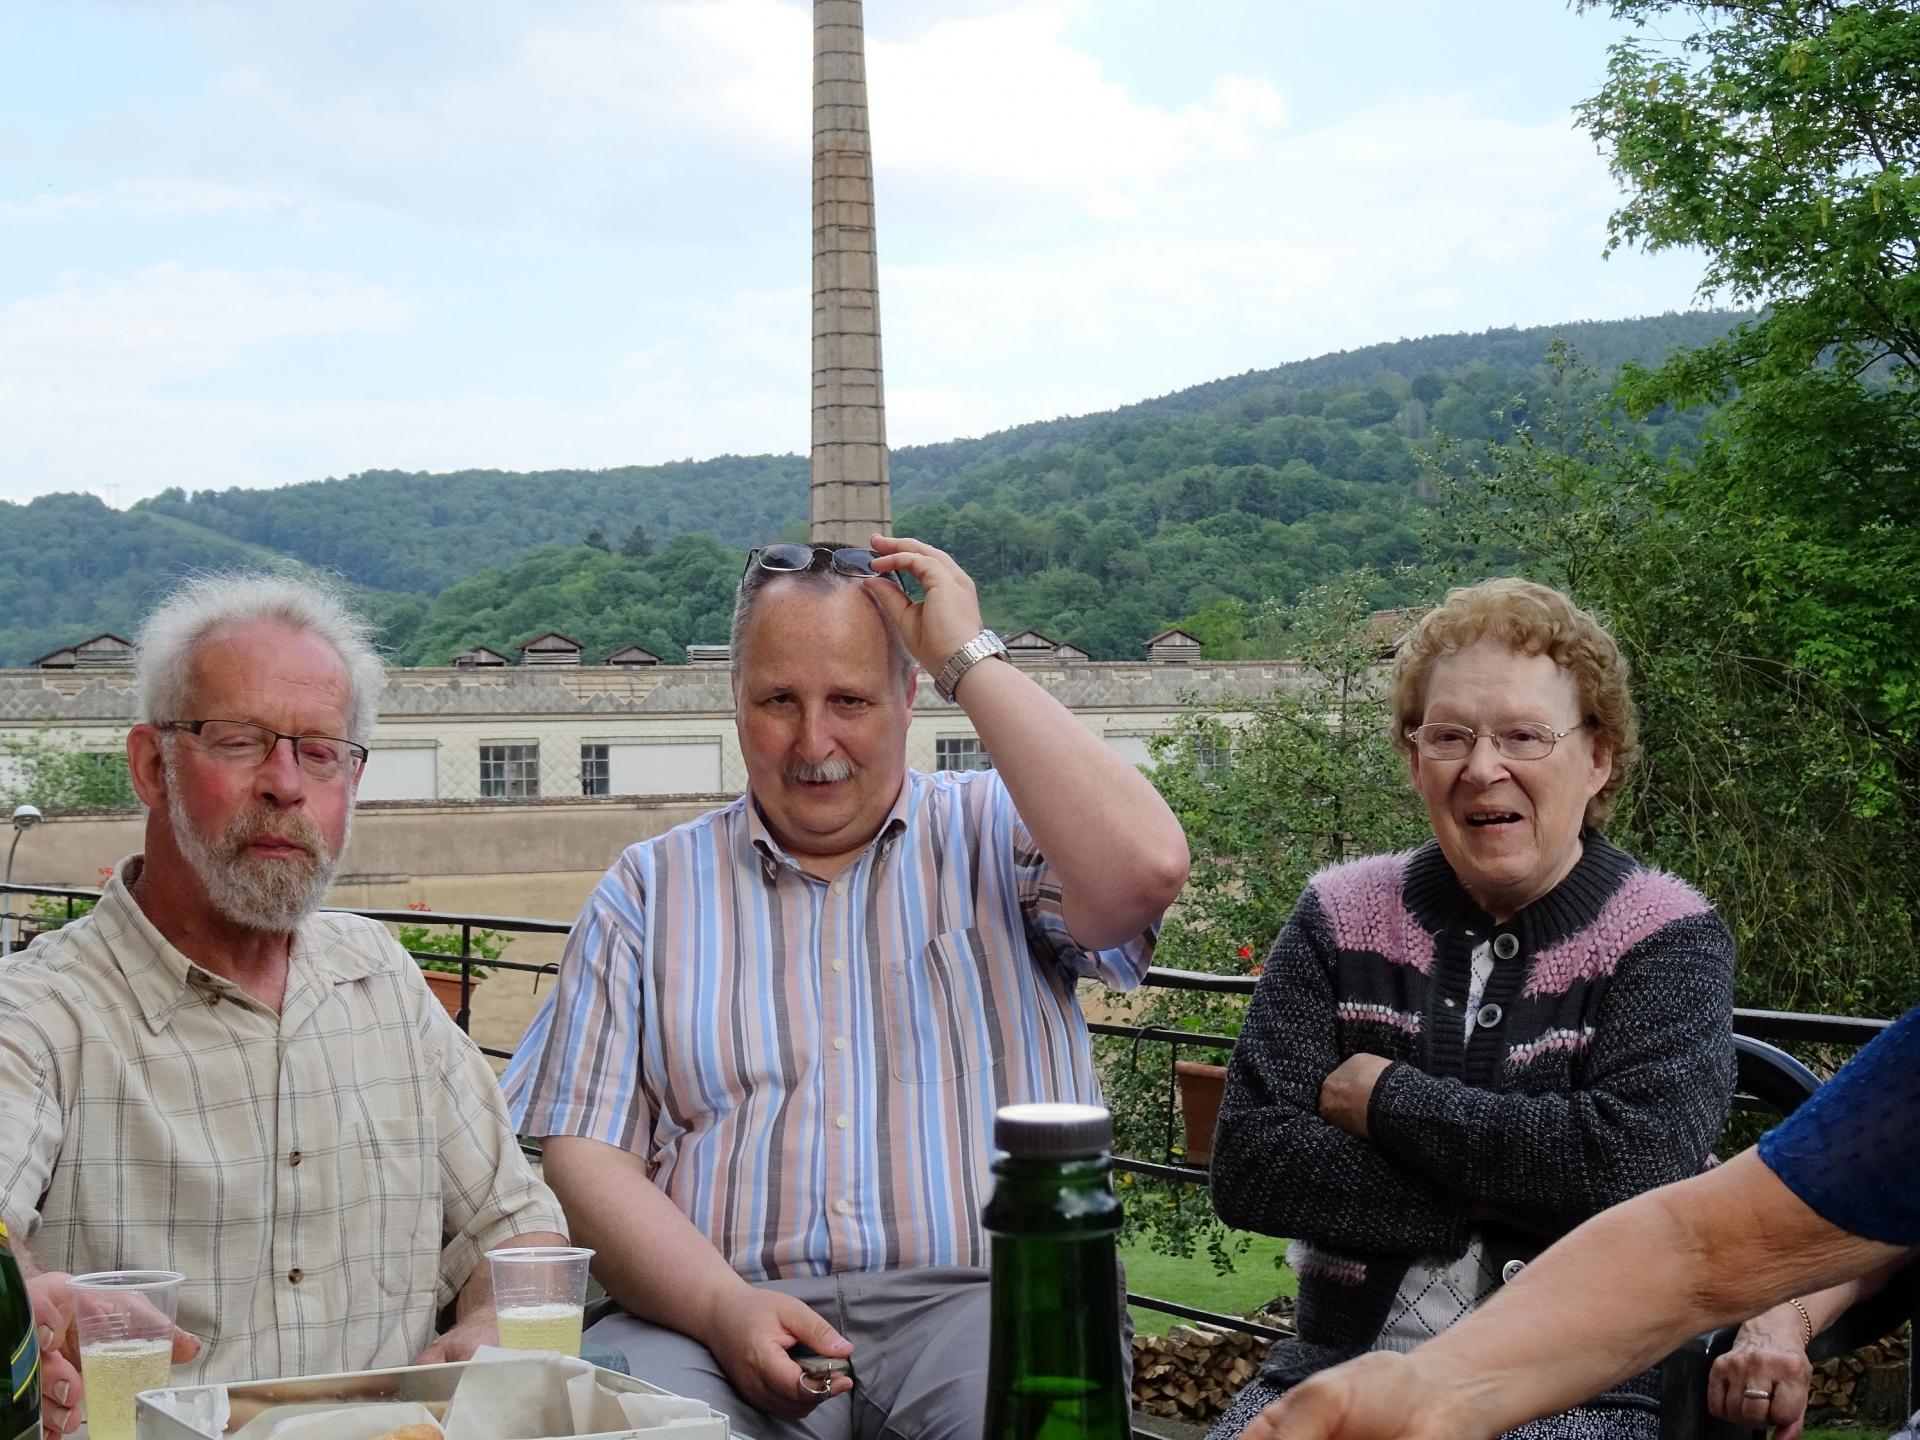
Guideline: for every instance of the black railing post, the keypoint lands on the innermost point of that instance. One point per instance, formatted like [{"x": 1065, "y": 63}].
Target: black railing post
[{"x": 465, "y": 1018}]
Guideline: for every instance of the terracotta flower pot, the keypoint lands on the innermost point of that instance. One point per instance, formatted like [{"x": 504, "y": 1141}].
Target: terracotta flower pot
[
  {"x": 446, "y": 987},
  {"x": 1201, "y": 1086}
]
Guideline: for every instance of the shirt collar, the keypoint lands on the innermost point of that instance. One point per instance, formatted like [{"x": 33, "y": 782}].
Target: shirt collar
[
  {"x": 162, "y": 978},
  {"x": 770, "y": 858}
]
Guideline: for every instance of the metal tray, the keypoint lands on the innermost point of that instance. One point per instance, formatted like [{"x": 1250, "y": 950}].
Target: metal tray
[{"x": 429, "y": 1385}]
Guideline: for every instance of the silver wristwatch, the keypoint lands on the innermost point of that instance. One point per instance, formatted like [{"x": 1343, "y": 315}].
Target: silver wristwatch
[{"x": 979, "y": 648}]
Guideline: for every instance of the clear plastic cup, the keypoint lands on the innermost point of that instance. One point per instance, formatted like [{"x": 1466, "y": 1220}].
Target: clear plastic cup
[
  {"x": 125, "y": 1319},
  {"x": 540, "y": 1295}
]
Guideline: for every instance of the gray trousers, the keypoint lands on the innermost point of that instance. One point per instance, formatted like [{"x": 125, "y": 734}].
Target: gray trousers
[{"x": 919, "y": 1357}]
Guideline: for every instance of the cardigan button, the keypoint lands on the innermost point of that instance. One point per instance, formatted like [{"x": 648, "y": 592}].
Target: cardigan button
[
  {"x": 1505, "y": 946},
  {"x": 1489, "y": 1016},
  {"x": 1510, "y": 1270}
]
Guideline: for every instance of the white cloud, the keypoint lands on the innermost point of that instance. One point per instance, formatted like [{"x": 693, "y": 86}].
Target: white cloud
[
  {"x": 1051, "y": 242},
  {"x": 157, "y": 199},
  {"x": 106, "y": 335}
]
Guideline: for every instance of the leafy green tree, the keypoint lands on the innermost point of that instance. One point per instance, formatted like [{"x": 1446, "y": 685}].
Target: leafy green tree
[
  {"x": 1782, "y": 140},
  {"x": 596, "y": 539},
  {"x": 60, "y": 774},
  {"x": 1761, "y": 780},
  {"x": 638, "y": 545}
]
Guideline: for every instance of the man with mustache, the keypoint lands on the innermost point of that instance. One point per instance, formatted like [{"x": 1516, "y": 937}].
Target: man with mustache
[
  {"x": 766, "y": 1077},
  {"x": 206, "y": 1075}
]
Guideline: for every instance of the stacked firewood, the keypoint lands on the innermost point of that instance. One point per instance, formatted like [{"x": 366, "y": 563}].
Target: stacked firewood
[
  {"x": 1193, "y": 1371},
  {"x": 1869, "y": 1385}
]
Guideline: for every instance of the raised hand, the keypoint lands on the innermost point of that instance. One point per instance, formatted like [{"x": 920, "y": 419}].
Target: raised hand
[{"x": 946, "y": 619}]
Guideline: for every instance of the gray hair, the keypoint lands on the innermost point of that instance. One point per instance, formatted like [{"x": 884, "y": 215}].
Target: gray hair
[
  {"x": 206, "y": 603},
  {"x": 755, "y": 582}
]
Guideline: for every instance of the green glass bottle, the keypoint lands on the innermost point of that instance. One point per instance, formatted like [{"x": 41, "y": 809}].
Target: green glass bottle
[
  {"x": 1054, "y": 1369},
  {"x": 20, "y": 1350}
]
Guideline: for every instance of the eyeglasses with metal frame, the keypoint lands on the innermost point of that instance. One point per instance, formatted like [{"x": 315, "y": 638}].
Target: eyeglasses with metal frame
[
  {"x": 1522, "y": 740},
  {"x": 788, "y": 557},
  {"x": 241, "y": 742}
]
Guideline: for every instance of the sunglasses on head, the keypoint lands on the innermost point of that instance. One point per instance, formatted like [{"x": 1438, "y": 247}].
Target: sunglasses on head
[{"x": 791, "y": 557}]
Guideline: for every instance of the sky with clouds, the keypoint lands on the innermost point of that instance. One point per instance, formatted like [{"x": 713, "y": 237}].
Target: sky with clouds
[{"x": 251, "y": 242}]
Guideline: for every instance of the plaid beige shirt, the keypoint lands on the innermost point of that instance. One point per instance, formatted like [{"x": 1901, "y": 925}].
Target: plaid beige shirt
[{"x": 325, "y": 1178}]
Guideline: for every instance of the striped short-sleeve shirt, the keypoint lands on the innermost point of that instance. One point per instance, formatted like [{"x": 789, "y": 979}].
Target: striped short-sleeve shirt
[{"x": 810, "y": 1068}]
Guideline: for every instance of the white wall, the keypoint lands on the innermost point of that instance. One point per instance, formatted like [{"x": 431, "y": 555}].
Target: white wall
[
  {"x": 691, "y": 767},
  {"x": 394, "y": 772}
]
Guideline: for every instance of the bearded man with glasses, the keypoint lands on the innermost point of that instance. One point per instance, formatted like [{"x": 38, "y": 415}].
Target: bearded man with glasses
[
  {"x": 766, "y": 1077},
  {"x": 206, "y": 1075}
]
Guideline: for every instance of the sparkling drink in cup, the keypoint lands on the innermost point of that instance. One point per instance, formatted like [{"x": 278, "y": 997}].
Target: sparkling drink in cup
[
  {"x": 539, "y": 1294},
  {"x": 125, "y": 1320}
]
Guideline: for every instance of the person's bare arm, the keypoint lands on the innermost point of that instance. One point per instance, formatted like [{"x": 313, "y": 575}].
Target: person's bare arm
[
  {"x": 659, "y": 1267},
  {"x": 1706, "y": 1252},
  {"x": 1119, "y": 851}
]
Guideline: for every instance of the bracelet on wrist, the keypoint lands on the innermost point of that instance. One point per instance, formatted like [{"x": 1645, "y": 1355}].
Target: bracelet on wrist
[{"x": 1806, "y": 1322}]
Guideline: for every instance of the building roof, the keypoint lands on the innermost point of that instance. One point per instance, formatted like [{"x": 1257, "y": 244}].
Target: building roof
[
  {"x": 474, "y": 652},
  {"x": 1177, "y": 637},
  {"x": 119, "y": 641},
  {"x": 566, "y": 641},
  {"x": 632, "y": 655}
]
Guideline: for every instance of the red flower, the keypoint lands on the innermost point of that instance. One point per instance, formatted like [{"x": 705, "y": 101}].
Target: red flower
[{"x": 1246, "y": 952}]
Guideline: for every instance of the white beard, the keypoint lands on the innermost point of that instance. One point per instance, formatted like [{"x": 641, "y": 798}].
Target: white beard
[{"x": 270, "y": 895}]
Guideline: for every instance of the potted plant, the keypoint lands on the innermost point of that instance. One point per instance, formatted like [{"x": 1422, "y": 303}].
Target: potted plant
[
  {"x": 437, "y": 950},
  {"x": 1203, "y": 1083}
]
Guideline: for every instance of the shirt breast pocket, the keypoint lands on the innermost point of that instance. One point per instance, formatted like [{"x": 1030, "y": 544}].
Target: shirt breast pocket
[
  {"x": 942, "y": 1008},
  {"x": 394, "y": 1168}
]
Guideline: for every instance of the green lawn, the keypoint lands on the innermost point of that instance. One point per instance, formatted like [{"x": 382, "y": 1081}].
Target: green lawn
[{"x": 1254, "y": 1281}]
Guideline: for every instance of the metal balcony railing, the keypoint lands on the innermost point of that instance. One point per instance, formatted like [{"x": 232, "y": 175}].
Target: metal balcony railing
[{"x": 1775, "y": 1026}]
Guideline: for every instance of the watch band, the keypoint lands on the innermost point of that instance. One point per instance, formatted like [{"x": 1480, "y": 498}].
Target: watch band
[{"x": 979, "y": 648}]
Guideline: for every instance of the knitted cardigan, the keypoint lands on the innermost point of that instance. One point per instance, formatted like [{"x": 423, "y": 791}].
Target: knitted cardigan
[{"x": 1601, "y": 1065}]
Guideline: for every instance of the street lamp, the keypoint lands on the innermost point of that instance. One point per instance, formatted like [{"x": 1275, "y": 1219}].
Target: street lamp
[{"x": 25, "y": 817}]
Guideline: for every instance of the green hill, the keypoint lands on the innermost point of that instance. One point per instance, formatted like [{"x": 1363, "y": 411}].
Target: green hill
[
  {"x": 71, "y": 567},
  {"x": 1098, "y": 529}
]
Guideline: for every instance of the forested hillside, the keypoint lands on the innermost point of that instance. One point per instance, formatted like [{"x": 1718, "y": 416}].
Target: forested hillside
[
  {"x": 1097, "y": 529},
  {"x": 70, "y": 567}
]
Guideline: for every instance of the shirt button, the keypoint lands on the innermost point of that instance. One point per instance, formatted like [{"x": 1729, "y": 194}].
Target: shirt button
[
  {"x": 1488, "y": 1017},
  {"x": 294, "y": 1158},
  {"x": 296, "y": 1275},
  {"x": 839, "y": 887},
  {"x": 840, "y": 1122},
  {"x": 1505, "y": 946},
  {"x": 838, "y": 965},
  {"x": 845, "y": 1207},
  {"x": 1510, "y": 1271},
  {"x": 839, "y": 1042}
]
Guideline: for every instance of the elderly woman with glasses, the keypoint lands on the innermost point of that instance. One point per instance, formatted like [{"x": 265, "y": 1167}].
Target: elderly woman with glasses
[{"x": 1459, "y": 1053}]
